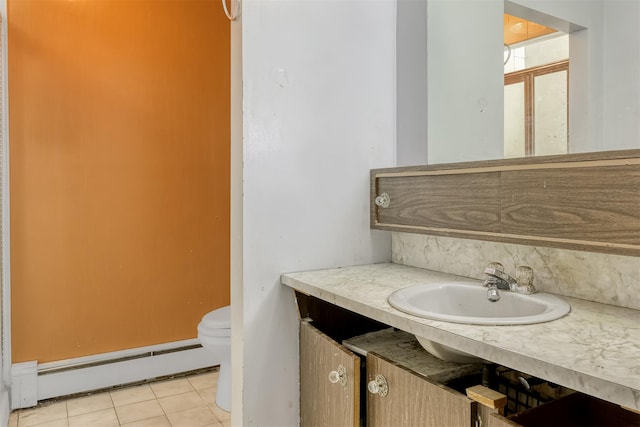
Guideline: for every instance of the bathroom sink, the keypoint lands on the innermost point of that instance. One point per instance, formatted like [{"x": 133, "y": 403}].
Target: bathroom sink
[{"x": 467, "y": 302}]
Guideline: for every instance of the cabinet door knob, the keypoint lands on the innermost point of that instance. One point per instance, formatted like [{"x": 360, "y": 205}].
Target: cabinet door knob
[
  {"x": 339, "y": 376},
  {"x": 378, "y": 386},
  {"x": 383, "y": 200}
]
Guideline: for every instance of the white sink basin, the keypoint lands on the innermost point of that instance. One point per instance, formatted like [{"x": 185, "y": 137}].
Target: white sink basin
[{"x": 466, "y": 302}]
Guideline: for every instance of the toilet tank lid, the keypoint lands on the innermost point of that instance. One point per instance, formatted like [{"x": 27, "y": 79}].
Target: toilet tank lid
[{"x": 219, "y": 319}]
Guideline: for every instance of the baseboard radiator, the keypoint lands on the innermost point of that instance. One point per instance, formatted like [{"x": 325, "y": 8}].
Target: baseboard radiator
[{"x": 32, "y": 382}]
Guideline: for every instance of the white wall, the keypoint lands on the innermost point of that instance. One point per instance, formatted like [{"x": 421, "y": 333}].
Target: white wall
[{"x": 318, "y": 113}]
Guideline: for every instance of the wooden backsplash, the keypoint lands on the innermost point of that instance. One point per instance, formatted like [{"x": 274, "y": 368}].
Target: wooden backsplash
[{"x": 586, "y": 201}]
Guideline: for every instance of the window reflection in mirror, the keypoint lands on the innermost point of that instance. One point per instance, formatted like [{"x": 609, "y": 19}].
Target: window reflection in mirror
[{"x": 536, "y": 73}]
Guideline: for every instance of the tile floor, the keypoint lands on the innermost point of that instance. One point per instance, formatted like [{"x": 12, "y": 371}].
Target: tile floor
[{"x": 180, "y": 402}]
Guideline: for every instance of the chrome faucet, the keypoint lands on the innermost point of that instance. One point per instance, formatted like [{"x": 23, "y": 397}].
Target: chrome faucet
[{"x": 497, "y": 279}]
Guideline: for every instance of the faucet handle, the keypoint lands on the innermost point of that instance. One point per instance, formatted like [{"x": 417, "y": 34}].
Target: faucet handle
[
  {"x": 495, "y": 265},
  {"x": 524, "y": 275},
  {"x": 524, "y": 278},
  {"x": 491, "y": 268}
]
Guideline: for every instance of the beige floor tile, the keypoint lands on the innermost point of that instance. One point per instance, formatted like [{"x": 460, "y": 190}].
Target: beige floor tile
[
  {"x": 102, "y": 418},
  {"x": 181, "y": 402},
  {"x": 171, "y": 387},
  {"x": 208, "y": 395},
  {"x": 138, "y": 411},
  {"x": 206, "y": 380},
  {"x": 13, "y": 419},
  {"x": 150, "y": 422},
  {"x": 127, "y": 396},
  {"x": 219, "y": 413},
  {"x": 64, "y": 422},
  {"x": 188, "y": 401},
  {"x": 42, "y": 414},
  {"x": 84, "y": 405},
  {"x": 195, "y": 417}
]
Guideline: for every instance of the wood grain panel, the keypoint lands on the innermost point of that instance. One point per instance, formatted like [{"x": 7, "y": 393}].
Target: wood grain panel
[
  {"x": 588, "y": 201},
  {"x": 492, "y": 419},
  {"x": 321, "y": 402},
  {"x": 596, "y": 204},
  {"x": 414, "y": 400},
  {"x": 464, "y": 202}
]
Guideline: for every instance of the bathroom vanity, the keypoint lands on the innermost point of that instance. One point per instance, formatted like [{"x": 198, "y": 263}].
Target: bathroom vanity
[
  {"x": 580, "y": 202},
  {"x": 594, "y": 349}
]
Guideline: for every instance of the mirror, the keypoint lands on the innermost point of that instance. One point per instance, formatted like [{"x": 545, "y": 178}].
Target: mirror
[
  {"x": 536, "y": 95},
  {"x": 464, "y": 86}
]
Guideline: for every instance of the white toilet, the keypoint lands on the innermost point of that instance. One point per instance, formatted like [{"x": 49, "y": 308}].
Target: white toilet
[{"x": 214, "y": 333}]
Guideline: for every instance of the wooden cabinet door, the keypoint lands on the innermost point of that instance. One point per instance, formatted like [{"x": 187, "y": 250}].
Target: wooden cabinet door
[
  {"x": 495, "y": 420},
  {"x": 490, "y": 418},
  {"x": 412, "y": 400},
  {"x": 323, "y": 402}
]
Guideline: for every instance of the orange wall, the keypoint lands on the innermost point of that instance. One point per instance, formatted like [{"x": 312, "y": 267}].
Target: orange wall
[{"x": 119, "y": 136}]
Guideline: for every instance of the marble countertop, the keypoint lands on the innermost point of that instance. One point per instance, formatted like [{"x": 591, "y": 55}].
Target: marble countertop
[{"x": 595, "y": 349}]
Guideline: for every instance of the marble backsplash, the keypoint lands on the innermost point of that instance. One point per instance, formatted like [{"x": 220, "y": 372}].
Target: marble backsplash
[{"x": 604, "y": 278}]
